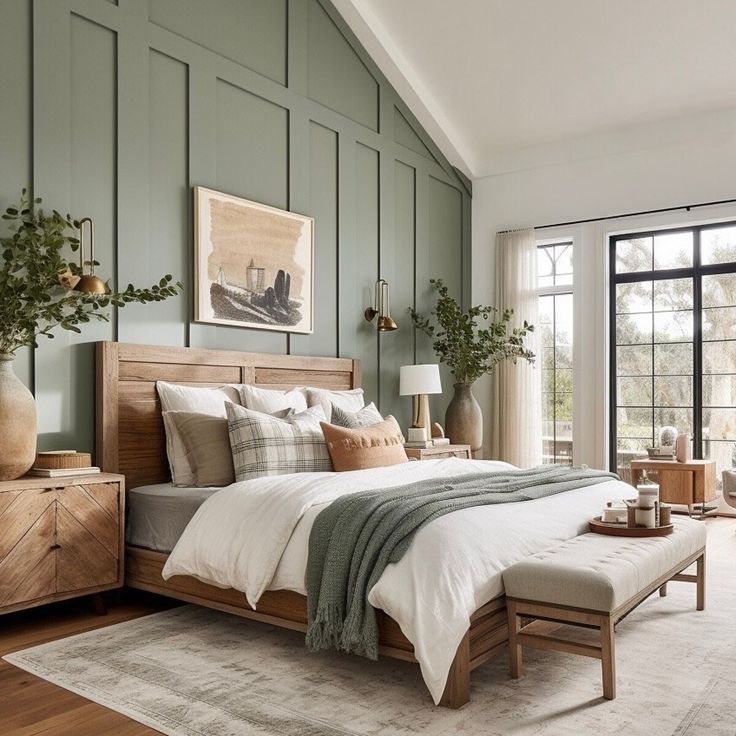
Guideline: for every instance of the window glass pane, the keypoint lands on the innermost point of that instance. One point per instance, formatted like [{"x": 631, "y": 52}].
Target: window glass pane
[
  {"x": 724, "y": 453},
  {"x": 673, "y": 250},
  {"x": 556, "y": 332},
  {"x": 634, "y": 255},
  {"x": 635, "y": 423},
  {"x": 636, "y": 297},
  {"x": 719, "y": 324},
  {"x": 719, "y": 290},
  {"x": 718, "y": 245},
  {"x": 634, "y": 360},
  {"x": 720, "y": 390},
  {"x": 673, "y": 327},
  {"x": 563, "y": 263},
  {"x": 673, "y": 294},
  {"x": 563, "y": 319},
  {"x": 674, "y": 358},
  {"x": 719, "y": 424},
  {"x": 634, "y": 391},
  {"x": 719, "y": 357},
  {"x": 673, "y": 391},
  {"x": 563, "y": 356},
  {"x": 679, "y": 417},
  {"x": 633, "y": 329},
  {"x": 546, "y": 326},
  {"x": 545, "y": 266}
]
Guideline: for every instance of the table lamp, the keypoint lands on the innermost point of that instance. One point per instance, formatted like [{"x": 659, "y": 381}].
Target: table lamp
[{"x": 419, "y": 381}]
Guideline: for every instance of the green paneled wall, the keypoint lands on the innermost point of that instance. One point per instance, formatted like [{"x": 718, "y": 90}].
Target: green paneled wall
[{"x": 116, "y": 110}]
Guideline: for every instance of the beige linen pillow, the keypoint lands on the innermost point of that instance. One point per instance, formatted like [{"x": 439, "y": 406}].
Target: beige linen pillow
[
  {"x": 376, "y": 446},
  {"x": 202, "y": 400},
  {"x": 207, "y": 444}
]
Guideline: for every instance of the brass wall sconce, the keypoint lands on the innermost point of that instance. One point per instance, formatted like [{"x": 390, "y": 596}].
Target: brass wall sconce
[
  {"x": 89, "y": 283},
  {"x": 380, "y": 308}
]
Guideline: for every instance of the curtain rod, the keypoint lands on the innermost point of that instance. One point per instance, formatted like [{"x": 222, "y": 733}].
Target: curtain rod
[{"x": 686, "y": 207}]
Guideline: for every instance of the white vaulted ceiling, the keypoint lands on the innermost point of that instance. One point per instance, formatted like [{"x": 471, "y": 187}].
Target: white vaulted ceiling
[{"x": 504, "y": 84}]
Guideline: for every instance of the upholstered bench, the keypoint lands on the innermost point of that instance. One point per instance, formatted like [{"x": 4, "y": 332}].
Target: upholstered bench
[{"x": 593, "y": 581}]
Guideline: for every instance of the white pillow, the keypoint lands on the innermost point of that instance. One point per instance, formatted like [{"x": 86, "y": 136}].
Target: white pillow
[
  {"x": 351, "y": 400},
  {"x": 175, "y": 397},
  {"x": 264, "y": 445},
  {"x": 269, "y": 401}
]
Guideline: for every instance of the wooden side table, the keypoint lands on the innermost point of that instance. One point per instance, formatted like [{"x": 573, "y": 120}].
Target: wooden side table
[
  {"x": 687, "y": 484},
  {"x": 435, "y": 453},
  {"x": 60, "y": 538}
]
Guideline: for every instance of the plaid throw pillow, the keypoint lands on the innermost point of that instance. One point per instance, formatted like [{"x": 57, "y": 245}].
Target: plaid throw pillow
[
  {"x": 265, "y": 445},
  {"x": 355, "y": 419}
]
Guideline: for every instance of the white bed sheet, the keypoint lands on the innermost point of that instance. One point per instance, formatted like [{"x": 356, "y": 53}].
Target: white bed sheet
[{"x": 254, "y": 536}]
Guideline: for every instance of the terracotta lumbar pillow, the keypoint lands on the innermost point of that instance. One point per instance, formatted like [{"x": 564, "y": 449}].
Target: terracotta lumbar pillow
[{"x": 366, "y": 447}]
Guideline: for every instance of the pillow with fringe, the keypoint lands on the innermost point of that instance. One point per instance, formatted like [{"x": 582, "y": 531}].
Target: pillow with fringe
[{"x": 376, "y": 446}]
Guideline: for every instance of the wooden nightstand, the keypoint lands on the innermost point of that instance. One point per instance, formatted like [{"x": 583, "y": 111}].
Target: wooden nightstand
[
  {"x": 690, "y": 483},
  {"x": 435, "y": 453},
  {"x": 60, "y": 538}
]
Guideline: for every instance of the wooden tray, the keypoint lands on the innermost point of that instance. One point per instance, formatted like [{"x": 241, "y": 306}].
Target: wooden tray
[{"x": 621, "y": 530}]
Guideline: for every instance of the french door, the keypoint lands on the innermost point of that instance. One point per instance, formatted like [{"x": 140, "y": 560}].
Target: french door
[{"x": 673, "y": 341}]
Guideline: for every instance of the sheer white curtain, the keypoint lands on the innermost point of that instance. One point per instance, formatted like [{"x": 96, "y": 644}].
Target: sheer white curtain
[{"x": 516, "y": 426}]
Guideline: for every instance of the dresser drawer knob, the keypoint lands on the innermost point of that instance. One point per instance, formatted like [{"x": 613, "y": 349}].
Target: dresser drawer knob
[{"x": 55, "y": 546}]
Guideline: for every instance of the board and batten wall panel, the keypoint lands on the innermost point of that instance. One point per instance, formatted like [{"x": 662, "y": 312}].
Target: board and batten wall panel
[{"x": 118, "y": 109}]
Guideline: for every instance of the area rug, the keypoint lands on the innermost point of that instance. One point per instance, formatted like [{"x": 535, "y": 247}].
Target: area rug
[{"x": 195, "y": 672}]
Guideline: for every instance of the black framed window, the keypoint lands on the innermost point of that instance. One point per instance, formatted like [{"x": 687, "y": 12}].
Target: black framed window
[
  {"x": 555, "y": 279},
  {"x": 673, "y": 341}
]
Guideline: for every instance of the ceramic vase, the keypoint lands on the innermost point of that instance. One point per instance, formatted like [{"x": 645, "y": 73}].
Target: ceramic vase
[
  {"x": 17, "y": 423},
  {"x": 464, "y": 418}
]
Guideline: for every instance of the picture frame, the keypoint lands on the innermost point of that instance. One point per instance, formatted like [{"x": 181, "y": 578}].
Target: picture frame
[{"x": 254, "y": 264}]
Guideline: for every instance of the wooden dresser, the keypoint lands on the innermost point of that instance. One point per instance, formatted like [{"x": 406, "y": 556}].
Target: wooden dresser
[{"x": 60, "y": 538}]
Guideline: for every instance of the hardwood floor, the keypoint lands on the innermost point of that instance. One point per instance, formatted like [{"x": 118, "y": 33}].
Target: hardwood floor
[{"x": 30, "y": 705}]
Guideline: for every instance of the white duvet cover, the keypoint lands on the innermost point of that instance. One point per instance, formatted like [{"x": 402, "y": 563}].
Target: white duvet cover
[{"x": 253, "y": 536}]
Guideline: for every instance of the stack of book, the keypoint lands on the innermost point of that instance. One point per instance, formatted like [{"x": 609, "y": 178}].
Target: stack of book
[
  {"x": 424, "y": 444},
  {"x": 63, "y": 463}
]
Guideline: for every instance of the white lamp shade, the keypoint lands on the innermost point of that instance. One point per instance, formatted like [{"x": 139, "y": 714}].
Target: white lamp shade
[{"x": 419, "y": 379}]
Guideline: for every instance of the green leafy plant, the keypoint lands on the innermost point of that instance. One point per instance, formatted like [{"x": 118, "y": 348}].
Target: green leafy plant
[
  {"x": 33, "y": 262},
  {"x": 469, "y": 350}
]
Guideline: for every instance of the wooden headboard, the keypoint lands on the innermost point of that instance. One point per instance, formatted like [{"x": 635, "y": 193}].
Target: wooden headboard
[{"x": 130, "y": 431}]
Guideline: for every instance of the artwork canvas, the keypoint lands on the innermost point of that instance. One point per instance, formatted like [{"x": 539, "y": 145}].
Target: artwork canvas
[{"x": 254, "y": 264}]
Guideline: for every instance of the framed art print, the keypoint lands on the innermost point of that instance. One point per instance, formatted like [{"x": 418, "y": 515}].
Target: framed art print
[{"x": 254, "y": 264}]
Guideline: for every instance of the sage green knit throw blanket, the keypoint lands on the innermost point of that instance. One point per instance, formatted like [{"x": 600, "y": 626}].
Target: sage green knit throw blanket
[{"x": 356, "y": 536}]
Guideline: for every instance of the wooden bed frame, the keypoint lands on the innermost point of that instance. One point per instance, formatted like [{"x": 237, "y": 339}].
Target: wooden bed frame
[{"x": 131, "y": 441}]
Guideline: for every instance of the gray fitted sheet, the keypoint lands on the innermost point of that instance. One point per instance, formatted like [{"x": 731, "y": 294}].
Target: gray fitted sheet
[{"x": 157, "y": 515}]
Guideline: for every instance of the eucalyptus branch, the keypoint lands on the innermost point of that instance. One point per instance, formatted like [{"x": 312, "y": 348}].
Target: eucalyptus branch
[
  {"x": 469, "y": 350},
  {"x": 33, "y": 262}
]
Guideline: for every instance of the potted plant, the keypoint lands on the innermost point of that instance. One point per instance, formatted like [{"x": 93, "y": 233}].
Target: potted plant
[
  {"x": 470, "y": 350},
  {"x": 34, "y": 301}
]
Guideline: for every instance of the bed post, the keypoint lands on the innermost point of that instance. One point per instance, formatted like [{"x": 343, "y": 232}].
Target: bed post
[{"x": 457, "y": 689}]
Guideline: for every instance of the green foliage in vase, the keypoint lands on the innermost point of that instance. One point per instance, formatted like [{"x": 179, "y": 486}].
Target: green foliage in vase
[
  {"x": 471, "y": 350},
  {"x": 33, "y": 259}
]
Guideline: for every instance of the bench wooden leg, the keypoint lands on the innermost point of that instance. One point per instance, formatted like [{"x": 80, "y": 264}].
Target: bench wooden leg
[
  {"x": 457, "y": 689},
  {"x": 608, "y": 657},
  {"x": 700, "y": 582},
  {"x": 515, "y": 656},
  {"x": 663, "y": 591}
]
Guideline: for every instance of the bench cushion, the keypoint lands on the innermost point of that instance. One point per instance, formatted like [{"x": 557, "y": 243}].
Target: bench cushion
[{"x": 598, "y": 572}]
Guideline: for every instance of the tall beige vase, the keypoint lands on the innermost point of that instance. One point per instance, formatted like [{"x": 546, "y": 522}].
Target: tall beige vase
[
  {"x": 464, "y": 419},
  {"x": 17, "y": 423}
]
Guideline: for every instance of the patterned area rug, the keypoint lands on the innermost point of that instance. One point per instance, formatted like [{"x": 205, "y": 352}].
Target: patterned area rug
[{"x": 194, "y": 672}]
